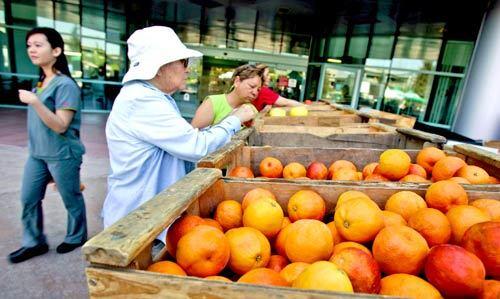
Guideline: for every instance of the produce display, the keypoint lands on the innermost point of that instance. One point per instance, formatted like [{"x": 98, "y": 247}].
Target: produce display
[
  {"x": 419, "y": 246},
  {"x": 431, "y": 164}
]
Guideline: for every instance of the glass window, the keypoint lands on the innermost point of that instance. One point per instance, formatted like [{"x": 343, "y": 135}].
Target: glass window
[
  {"x": 2, "y": 13},
  {"x": 381, "y": 47},
  {"x": 23, "y": 63},
  {"x": 116, "y": 27},
  {"x": 336, "y": 47},
  {"x": 116, "y": 61},
  {"x": 338, "y": 85},
  {"x": 266, "y": 41},
  {"x": 4, "y": 55},
  {"x": 372, "y": 88},
  {"x": 23, "y": 13},
  {"x": 45, "y": 13},
  {"x": 189, "y": 34},
  {"x": 357, "y": 48},
  {"x": 93, "y": 22}
]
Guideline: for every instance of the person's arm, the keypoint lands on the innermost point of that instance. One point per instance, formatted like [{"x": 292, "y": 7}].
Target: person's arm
[
  {"x": 156, "y": 122},
  {"x": 58, "y": 121},
  {"x": 281, "y": 101},
  {"x": 204, "y": 115}
]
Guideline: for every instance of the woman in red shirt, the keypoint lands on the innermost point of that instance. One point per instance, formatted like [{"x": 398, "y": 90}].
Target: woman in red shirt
[{"x": 267, "y": 96}]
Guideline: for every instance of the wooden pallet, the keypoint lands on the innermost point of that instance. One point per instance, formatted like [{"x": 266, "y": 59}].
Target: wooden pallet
[{"x": 118, "y": 255}]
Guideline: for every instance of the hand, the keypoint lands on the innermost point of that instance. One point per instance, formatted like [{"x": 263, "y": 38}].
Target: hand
[
  {"x": 28, "y": 97},
  {"x": 266, "y": 109},
  {"x": 245, "y": 112}
]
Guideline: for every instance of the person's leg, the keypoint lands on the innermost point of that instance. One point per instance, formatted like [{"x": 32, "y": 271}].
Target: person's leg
[
  {"x": 66, "y": 174},
  {"x": 34, "y": 243},
  {"x": 34, "y": 184}
]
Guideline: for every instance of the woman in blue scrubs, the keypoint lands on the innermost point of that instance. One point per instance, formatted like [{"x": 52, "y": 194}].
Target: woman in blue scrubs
[{"x": 55, "y": 150}]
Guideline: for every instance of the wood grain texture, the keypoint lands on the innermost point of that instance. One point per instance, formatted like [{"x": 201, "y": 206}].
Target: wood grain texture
[
  {"x": 106, "y": 283},
  {"x": 122, "y": 242},
  {"x": 479, "y": 157},
  {"x": 223, "y": 156}
]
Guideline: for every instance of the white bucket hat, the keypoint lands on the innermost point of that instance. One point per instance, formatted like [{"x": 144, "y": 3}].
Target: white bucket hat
[{"x": 152, "y": 47}]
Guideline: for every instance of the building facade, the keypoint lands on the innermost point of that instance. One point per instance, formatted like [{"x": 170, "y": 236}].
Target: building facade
[{"x": 405, "y": 57}]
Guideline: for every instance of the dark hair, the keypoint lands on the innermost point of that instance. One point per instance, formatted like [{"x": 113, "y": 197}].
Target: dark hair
[{"x": 55, "y": 40}]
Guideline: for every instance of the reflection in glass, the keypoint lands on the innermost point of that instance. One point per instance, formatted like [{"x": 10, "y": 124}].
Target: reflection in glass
[{"x": 338, "y": 85}]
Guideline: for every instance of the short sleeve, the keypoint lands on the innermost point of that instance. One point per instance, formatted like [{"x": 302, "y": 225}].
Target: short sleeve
[{"x": 67, "y": 95}]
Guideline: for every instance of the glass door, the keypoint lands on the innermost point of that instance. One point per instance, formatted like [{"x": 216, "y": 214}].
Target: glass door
[{"x": 339, "y": 84}]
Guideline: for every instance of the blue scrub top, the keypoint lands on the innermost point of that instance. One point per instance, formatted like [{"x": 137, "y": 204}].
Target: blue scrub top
[{"x": 44, "y": 143}]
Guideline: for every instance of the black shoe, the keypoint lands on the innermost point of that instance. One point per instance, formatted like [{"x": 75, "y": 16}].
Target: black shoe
[
  {"x": 68, "y": 247},
  {"x": 25, "y": 253}
]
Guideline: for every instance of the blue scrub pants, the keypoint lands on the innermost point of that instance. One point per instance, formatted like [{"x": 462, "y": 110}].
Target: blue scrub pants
[{"x": 66, "y": 175}]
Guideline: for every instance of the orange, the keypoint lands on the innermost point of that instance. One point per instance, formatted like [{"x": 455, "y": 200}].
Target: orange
[
  {"x": 392, "y": 218},
  {"x": 344, "y": 245},
  {"x": 167, "y": 267},
  {"x": 489, "y": 206},
  {"x": 443, "y": 194},
  {"x": 337, "y": 165},
  {"x": 417, "y": 170},
  {"x": 362, "y": 269},
  {"x": 491, "y": 289},
  {"x": 400, "y": 249},
  {"x": 394, "y": 164},
  {"x": 279, "y": 243},
  {"x": 474, "y": 174},
  {"x": 219, "y": 278},
  {"x": 358, "y": 219},
  {"x": 446, "y": 168},
  {"x": 277, "y": 262},
  {"x": 306, "y": 204},
  {"x": 294, "y": 170},
  {"x": 459, "y": 180},
  {"x": 213, "y": 223},
  {"x": 229, "y": 214},
  {"x": 179, "y": 228},
  {"x": 410, "y": 286},
  {"x": 203, "y": 251},
  {"x": 292, "y": 271},
  {"x": 413, "y": 178},
  {"x": 345, "y": 174},
  {"x": 350, "y": 194},
  {"x": 428, "y": 156},
  {"x": 250, "y": 249},
  {"x": 369, "y": 168},
  {"x": 405, "y": 203},
  {"x": 308, "y": 241},
  {"x": 494, "y": 180},
  {"x": 376, "y": 178},
  {"x": 323, "y": 275},
  {"x": 286, "y": 221},
  {"x": 432, "y": 224},
  {"x": 264, "y": 214},
  {"x": 462, "y": 217},
  {"x": 271, "y": 168},
  {"x": 255, "y": 194},
  {"x": 337, "y": 238},
  {"x": 263, "y": 276},
  {"x": 241, "y": 172}
]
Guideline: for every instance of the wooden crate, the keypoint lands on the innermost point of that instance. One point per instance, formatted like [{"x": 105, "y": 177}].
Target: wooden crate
[
  {"x": 323, "y": 118},
  {"x": 238, "y": 154},
  {"x": 118, "y": 254},
  {"x": 347, "y": 136},
  {"x": 377, "y": 116}
]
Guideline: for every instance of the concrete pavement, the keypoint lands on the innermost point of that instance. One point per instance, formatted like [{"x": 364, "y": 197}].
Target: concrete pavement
[{"x": 51, "y": 275}]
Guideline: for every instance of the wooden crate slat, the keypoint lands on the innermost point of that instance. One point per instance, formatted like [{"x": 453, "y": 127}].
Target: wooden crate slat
[{"x": 119, "y": 244}]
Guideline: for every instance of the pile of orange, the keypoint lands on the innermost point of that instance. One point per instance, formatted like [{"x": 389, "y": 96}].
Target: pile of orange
[
  {"x": 431, "y": 164},
  {"x": 369, "y": 247}
]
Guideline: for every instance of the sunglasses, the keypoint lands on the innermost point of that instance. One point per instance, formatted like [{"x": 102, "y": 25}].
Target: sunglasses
[{"x": 185, "y": 62}]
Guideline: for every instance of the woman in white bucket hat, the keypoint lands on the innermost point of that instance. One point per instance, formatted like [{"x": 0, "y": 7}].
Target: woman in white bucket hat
[{"x": 148, "y": 140}]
